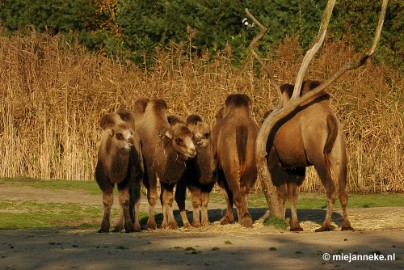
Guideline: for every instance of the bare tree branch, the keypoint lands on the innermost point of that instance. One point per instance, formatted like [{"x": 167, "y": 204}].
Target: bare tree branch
[
  {"x": 278, "y": 114},
  {"x": 314, "y": 49},
  {"x": 253, "y": 45}
]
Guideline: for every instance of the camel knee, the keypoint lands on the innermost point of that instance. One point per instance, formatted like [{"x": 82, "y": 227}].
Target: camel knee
[
  {"x": 152, "y": 201},
  {"x": 196, "y": 204}
]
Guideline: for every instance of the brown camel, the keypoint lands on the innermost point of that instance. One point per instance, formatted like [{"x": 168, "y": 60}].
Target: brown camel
[
  {"x": 199, "y": 174},
  {"x": 119, "y": 162},
  {"x": 312, "y": 135},
  {"x": 234, "y": 135},
  {"x": 165, "y": 150}
]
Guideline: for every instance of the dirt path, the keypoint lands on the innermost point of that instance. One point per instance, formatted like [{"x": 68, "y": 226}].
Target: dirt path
[{"x": 379, "y": 231}]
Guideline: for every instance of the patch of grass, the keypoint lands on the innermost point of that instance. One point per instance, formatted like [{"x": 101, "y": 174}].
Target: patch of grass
[
  {"x": 228, "y": 242},
  {"x": 272, "y": 249},
  {"x": 15, "y": 214},
  {"x": 277, "y": 223},
  {"x": 192, "y": 250},
  {"x": 90, "y": 186},
  {"x": 215, "y": 249},
  {"x": 319, "y": 201}
]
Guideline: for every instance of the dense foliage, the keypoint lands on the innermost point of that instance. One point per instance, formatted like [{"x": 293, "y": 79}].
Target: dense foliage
[{"x": 133, "y": 29}]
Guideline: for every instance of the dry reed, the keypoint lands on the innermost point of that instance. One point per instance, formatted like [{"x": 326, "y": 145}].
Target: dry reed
[{"x": 52, "y": 94}]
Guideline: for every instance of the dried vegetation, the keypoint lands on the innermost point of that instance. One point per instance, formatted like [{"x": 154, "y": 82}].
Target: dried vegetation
[{"x": 52, "y": 94}]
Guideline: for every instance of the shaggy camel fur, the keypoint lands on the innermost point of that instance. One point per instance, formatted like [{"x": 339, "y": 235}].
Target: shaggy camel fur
[
  {"x": 310, "y": 136},
  {"x": 119, "y": 162},
  {"x": 234, "y": 135},
  {"x": 198, "y": 175},
  {"x": 165, "y": 150}
]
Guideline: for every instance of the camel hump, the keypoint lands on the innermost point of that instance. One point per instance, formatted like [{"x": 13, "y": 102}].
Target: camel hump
[
  {"x": 238, "y": 100},
  {"x": 141, "y": 104},
  {"x": 241, "y": 140},
  {"x": 307, "y": 86},
  {"x": 160, "y": 104}
]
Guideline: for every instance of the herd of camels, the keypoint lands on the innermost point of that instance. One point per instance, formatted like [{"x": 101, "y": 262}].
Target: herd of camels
[{"x": 145, "y": 145}]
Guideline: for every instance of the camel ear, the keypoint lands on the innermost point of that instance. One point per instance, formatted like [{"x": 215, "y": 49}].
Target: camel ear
[
  {"x": 109, "y": 120},
  {"x": 169, "y": 134},
  {"x": 111, "y": 132},
  {"x": 128, "y": 117}
]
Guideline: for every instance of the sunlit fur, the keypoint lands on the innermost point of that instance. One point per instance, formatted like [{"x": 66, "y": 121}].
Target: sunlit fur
[
  {"x": 199, "y": 173},
  {"x": 312, "y": 135},
  {"x": 120, "y": 163},
  {"x": 234, "y": 135},
  {"x": 165, "y": 150}
]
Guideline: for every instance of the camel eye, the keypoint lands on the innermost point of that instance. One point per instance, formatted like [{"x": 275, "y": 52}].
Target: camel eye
[
  {"x": 119, "y": 136},
  {"x": 207, "y": 135},
  {"x": 178, "y": 140}
]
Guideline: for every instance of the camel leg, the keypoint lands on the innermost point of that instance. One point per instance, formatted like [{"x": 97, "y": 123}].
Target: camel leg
[
  {"x": 292, "y": 195},
  {"x": 278, "y": 178},
  {"x": 180, "y": 194},
  {"x": 107, "y": 200},
  {"x": 343, "y": 198},
  {"x": 150, "y": 181},
  {"x": 124, "y": 200},
  {"x": 240, "y": 200},
  {"x": 196, "y": 204},
  {"x": 119, "y": 223},
  {"x": 229, "y": 217},
  {"x": 340, "y": 169},
  {"x": 282, "y": 194},
  {"x": 167, "y": 199},
  {"x": 204, "y": 211},
  {"x": 244, "y": 217},
  {"x": 137, "y": 225},
  {"x": 135, "y": 201},
  {"x": 325, "y": 176}
]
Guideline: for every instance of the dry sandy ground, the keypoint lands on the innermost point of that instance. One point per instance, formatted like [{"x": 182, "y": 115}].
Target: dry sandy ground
[{"x": 379, "y": 231}]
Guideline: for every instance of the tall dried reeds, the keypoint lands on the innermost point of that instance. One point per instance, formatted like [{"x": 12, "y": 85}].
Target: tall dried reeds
[{"x": 52, "y": 94}]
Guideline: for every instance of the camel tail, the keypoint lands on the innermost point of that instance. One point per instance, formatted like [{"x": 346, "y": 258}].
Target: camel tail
[
  {"x": 241, "y": 140},
  {"x": 332, "y": 135}
]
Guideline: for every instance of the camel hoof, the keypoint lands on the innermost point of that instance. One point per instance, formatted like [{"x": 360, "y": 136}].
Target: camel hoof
[
  {"x": 205, "y": 224},
  {"x": 151, "y": 225},
  {"x": 117, "y": 229},
  {"x": 323, "y": 229},
  {"x": 196, "y": 224},
  {"x": 296, "y": 229},
  {"x": 138, "y": 227},
  {"x": 104, "y": 227},
  {"x": 187, "y": 225},
  {"x": 226, "y": 220},
  {"x": 246, "y": 221},
  {"x": 347, "y": 228},
  {"x": 173, "y": 225}
]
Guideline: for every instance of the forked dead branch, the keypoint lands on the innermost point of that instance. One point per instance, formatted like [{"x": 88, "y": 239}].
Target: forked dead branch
[{"x": 282, "y": 111}]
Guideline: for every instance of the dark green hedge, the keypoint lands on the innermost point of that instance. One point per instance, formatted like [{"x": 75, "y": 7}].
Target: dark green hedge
[{"x": 145, "y": 25}]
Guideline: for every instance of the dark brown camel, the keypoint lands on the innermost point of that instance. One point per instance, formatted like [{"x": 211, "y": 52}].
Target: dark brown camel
[{"x": 234, "y": 135}]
